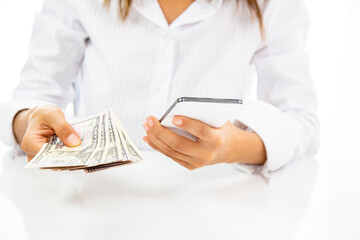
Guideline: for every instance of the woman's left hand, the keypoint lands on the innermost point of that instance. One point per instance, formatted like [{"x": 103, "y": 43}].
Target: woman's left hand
[{"x": 227, "y": 144}]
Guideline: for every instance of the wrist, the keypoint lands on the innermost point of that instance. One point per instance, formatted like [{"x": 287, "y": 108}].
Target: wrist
[
  {"x": 20, "y": 123},
  {"x": 247, "y": 148}
]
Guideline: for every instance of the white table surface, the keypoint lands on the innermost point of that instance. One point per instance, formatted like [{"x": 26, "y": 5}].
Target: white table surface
[{"x": 158, "y": 199}]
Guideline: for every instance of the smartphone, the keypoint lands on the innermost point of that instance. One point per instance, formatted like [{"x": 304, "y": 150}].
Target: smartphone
[{"x": 212, "y": 111}]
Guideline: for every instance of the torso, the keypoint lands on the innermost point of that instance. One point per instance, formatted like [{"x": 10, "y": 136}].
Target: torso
[{"x": 139, "y": 67}]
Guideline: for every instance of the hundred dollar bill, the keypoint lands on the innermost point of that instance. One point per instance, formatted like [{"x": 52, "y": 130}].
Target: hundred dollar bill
[
  {"x": 99, "y": 153},
  {"x": 105, "y": 144},
  {"x": 116, "y": 148},
  {"x": 134, "y": 152},
  {"x": 117, "y": 153},
  {"x": 56, "y": 154}
]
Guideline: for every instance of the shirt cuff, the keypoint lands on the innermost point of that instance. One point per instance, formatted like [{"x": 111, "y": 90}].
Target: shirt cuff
[{"x": 280, "y": 134}]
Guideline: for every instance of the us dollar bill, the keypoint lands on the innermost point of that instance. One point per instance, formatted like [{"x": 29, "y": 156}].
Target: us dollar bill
[
  {"x": 134, "y": 152},
  {"x": 56, "y": 154},
  {"x": 116, "y": 148},
  {"x": 99, "y": 153},
  {"x": 104, "y": 144}
]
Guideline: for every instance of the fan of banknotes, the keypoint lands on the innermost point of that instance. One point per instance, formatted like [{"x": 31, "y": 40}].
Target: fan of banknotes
[{"x": 105, "y": 144}]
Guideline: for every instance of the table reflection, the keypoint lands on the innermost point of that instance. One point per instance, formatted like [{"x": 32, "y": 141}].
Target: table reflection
[{"x": 158, "y": 199}]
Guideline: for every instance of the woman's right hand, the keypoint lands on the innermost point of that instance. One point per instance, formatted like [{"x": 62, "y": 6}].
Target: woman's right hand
[{"x": 34, "y": 127}]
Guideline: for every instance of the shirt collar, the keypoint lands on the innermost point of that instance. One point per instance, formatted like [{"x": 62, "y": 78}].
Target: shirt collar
[{"x": 152, "y": 11}]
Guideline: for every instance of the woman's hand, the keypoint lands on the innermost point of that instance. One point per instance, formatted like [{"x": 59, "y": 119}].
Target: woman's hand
[
  {"x": 34, "y": 127},
  {"x": 227, "y": 144}
]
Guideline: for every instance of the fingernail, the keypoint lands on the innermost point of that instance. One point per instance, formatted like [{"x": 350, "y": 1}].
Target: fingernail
[
  {"x": 73, "y": 140},
  {"x": 150, "y": 122},
  {"x": 146, "y": 127},
  {"x": 146, "y": 140},
  {"x": 177, "y": 121}
]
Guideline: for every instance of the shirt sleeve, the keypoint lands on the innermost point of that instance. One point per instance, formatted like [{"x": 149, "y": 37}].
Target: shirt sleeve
[
  {"x": 55, "y": 55},
  {"x": 285, "y": 112}
]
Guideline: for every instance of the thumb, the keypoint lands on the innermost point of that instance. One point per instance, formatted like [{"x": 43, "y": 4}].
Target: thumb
[{"x": 65, "y": 131}]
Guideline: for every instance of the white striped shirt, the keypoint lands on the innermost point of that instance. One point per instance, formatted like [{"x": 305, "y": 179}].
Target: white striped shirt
[{"x": 82, "y": 53}]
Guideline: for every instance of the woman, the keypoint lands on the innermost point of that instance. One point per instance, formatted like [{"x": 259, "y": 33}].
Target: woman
[{"x": 82, "y": 52}]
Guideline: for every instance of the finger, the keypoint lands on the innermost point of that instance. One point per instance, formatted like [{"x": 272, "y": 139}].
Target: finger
[
  {"x": 165, "y": 149},
  {"x": 29, "y": 157},
  {"x": 176, "y": 142},
  {"x": 181, "y": 162},
  {"x": 63, "y": 129},
  {"x": 195, "y": 127},
  {"x": 171, "y": 153},
  {"x": 184, "y": 164}
]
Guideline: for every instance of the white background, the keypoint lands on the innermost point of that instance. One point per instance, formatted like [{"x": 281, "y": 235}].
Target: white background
[{"x": 334, "y": 47}]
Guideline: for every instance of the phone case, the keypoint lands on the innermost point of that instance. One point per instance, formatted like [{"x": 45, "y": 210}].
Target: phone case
[{"x": 212, "y": 111}]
